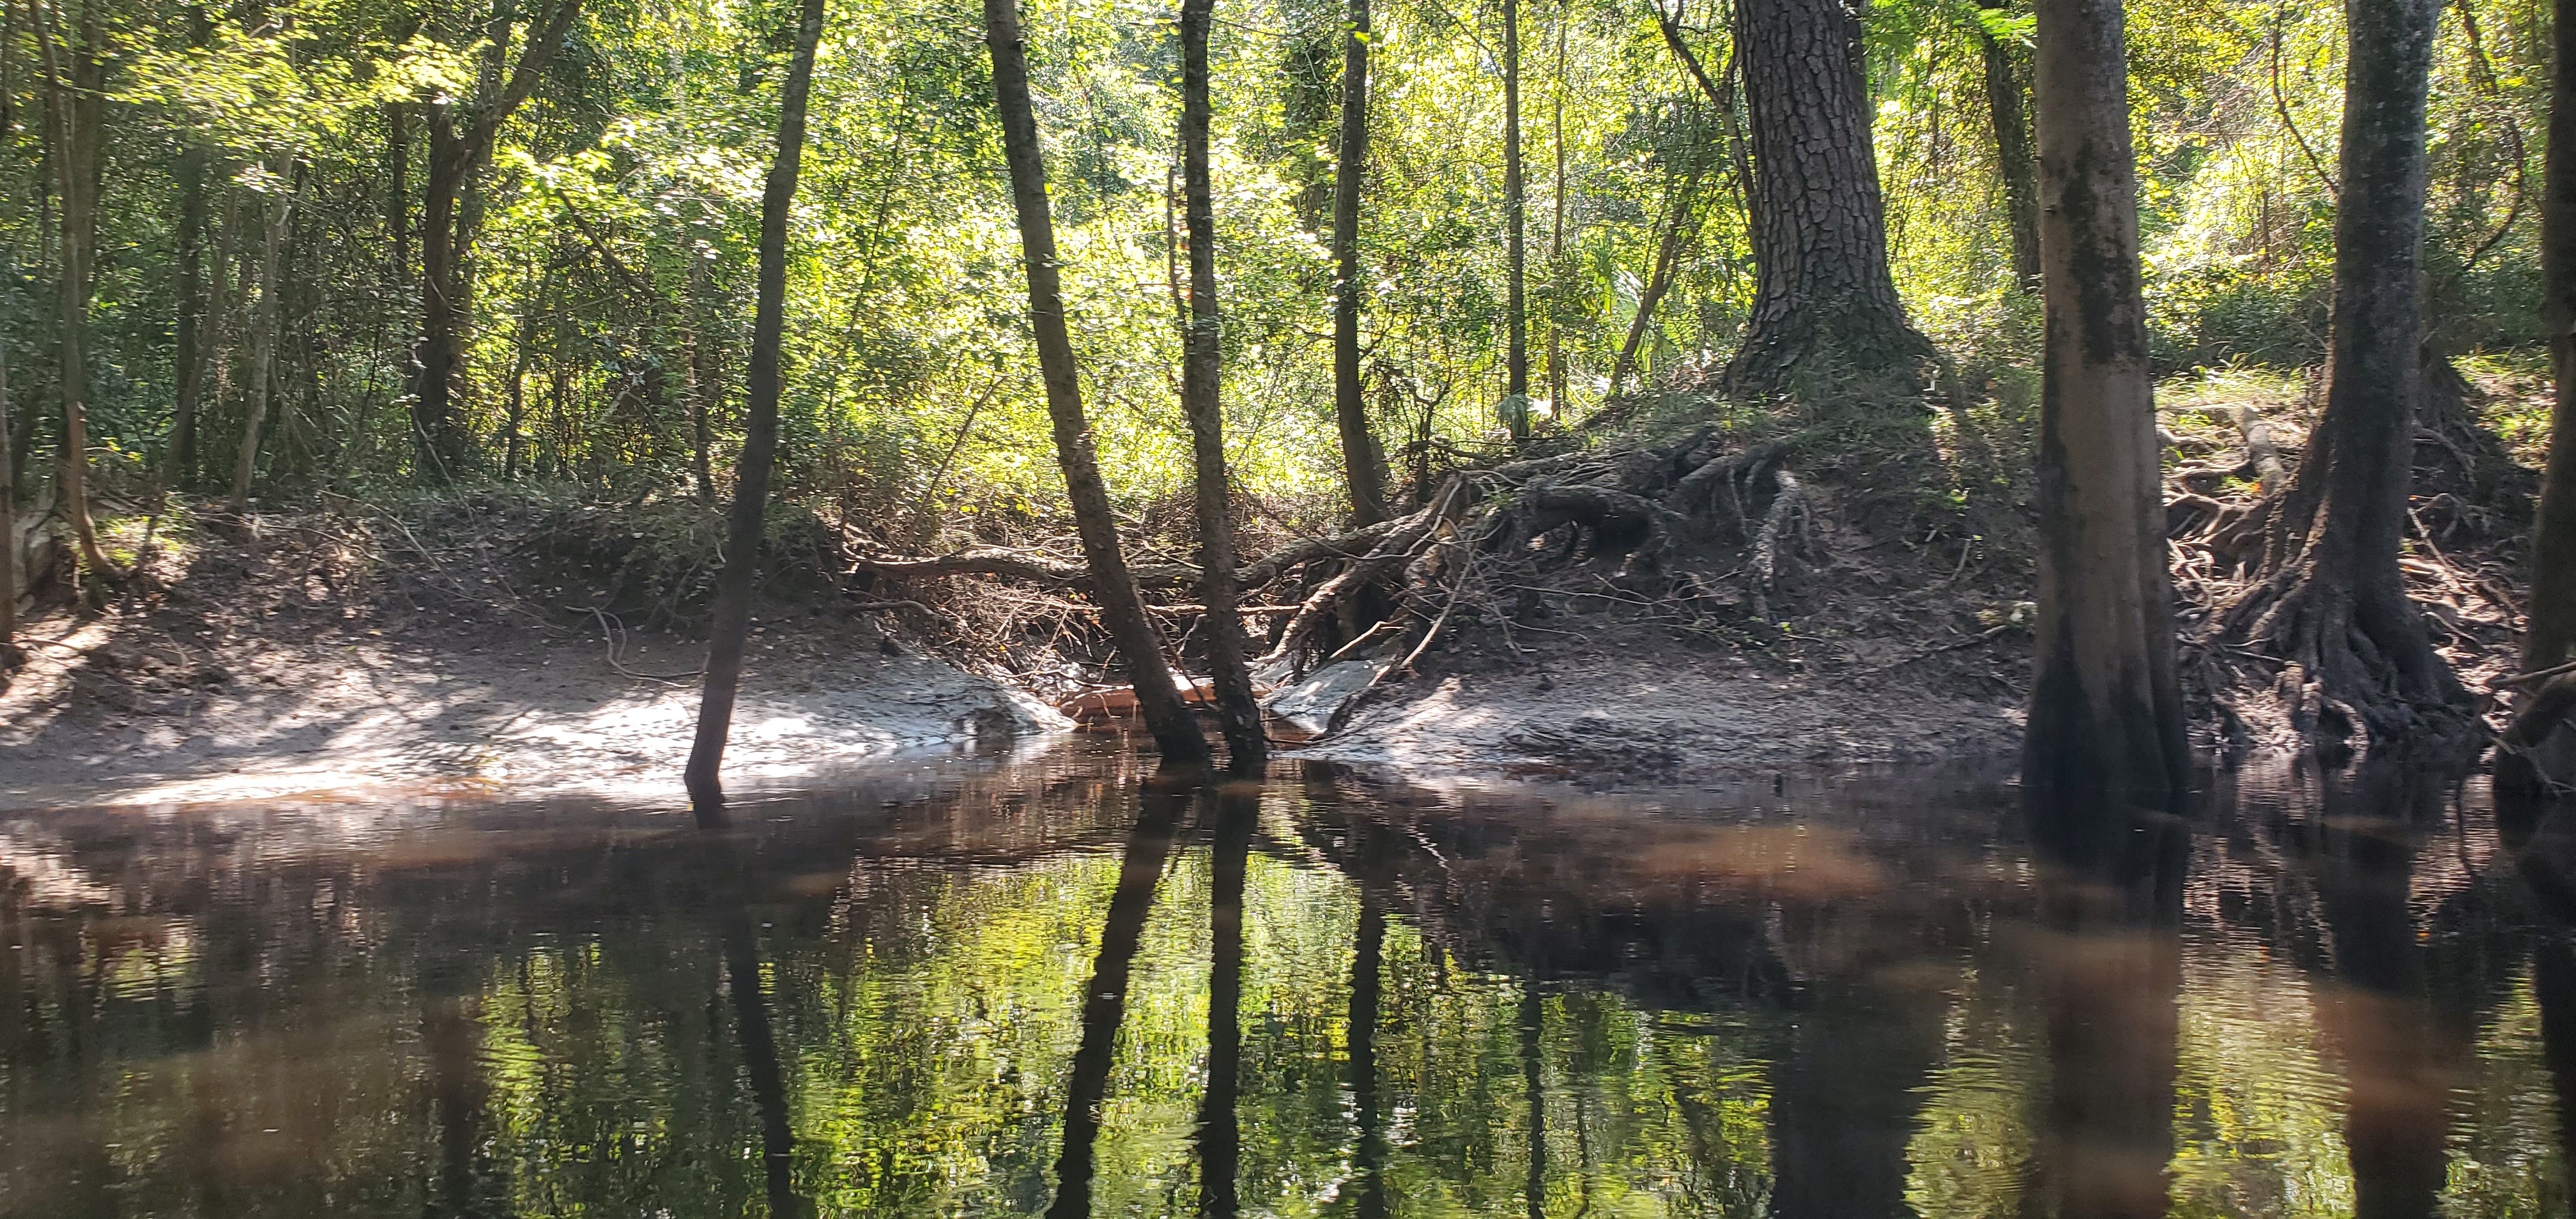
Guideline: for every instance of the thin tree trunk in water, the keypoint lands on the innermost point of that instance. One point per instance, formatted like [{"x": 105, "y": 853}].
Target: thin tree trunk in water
[
  {"x": 731, "y": 627},
  {"x": 73, "y": 111},
  {"x": 1238, "y": 715},
  {"x": 741, "y": 946},
  {"x": 1363, "y": 467},
  {"x": 1824, "y": 301},
  {"x": 2550, "y": 631},
  {"x": 1659, "y": 279},
  {"x": 1367, "y": 967},
  {"x": 2109, "y": 959},
  {"x": 263, "y": 347},
  {"x": 2329, "y": 600},
  {"x": 2013, "y": 162},
  {"x": 1122, "y": 610},
  {"x": 1220, "y": 1134},
  {"x": 1515, "y": 224},
  {"x": 1104, "y": 1000},
  {"x": 2106, "y": 706}
]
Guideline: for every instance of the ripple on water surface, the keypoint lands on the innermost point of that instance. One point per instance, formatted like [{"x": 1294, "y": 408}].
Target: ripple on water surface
[{"x": 1038, "y": 985}]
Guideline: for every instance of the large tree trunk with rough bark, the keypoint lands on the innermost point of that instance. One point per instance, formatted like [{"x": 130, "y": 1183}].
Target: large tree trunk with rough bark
[
  {"x": 1238, "y": 716},
  {"x": 2106, "y": 712},
  {"x": 1363, "y": 466},
  {"x": 2328, "y": 601},
  {"x": 1824, "y": 302},
  {"x": 731, "y": 625},
  {"x": 2550, "y": 633},
  {"x": 1122, "y": 609},
  {"x": 2013, "y": 162}
]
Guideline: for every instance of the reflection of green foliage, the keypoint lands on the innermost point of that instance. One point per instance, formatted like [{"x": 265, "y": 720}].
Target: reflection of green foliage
[
  {"x": 2506, "y": 1162},
  {"x": 2258, "y": 1121},
  {"x": 1973, "y": 1141}
]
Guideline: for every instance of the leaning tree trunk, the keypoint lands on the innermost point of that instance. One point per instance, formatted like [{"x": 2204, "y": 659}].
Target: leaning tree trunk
[
  {"x": 731, "y": 627},
  {"x": 2106, "y": 713},
  {"x": 1238, "y": 716},
  {"x": 2013, "y": 163},
  {"x": 1122, "y": 609},
  {"x": 1824, "y": 302},
  {"x": 1363, "y": 467},
  {"x": 2549, "y": 641},
  {"x": 2328, "y": 600},
  {"x": 1516, "y": 405}
]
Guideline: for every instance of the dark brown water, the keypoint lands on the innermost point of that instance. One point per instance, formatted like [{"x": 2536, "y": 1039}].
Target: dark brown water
[{"x": 1020, "y": 987}]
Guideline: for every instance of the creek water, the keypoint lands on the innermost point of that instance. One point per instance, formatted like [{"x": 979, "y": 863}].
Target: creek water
[{"x": 1040, "y": 984}]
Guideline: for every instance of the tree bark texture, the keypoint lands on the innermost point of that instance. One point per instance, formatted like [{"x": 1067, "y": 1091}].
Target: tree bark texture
[
  {"x": 731, "y": 625},
  {"x": 2551, "y": 640},
  {"x": 2106, "y": 705},
  {"x": 1515, "y": 235},
  {"x": 1363, "y": 467},
  {"x": 2329, "y": 600},
  {"x": 459, "y": 141},
  {"x": 263, "y": 346},
  {"x": 179, "y": 459},
  {"x": 1238, "y": 715},
  {"x": 75, "y": 94},
  {"x": 1122, "y": 609},
  {"x": 2549, "y": 629},
  {"x": 1823, "y": 297},
  {"x": 2013, "y": 160},
  {"x": 9, "y": 653}
]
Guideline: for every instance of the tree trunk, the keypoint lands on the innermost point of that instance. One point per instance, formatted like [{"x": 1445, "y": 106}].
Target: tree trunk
[
  {"x": 511, "y": 443},
  {"x": 263, "y": 347},
  {"x": 10, "y": 656},
  {"x": 1363, "y": 466},
  {"x": 2106, "y": 706},
  {"x": 1104, "y": 999},
  {"x": 1659, "y": 279},
  {"x": 2328, "y": 599},
  {"x": 1515, "y": 233},
  {"x": 179, "y": 459},
  {"x": 1238, "y": 715},
  {"x": 1824, "y": 302},
  {"x": 75, "y": 92},
  {"x": 701, "y": 387},
  {"x": 1122, "y": 610},
  {"x": 731, "y": 627},
  {"x": 2550, "y": 638},
  {"x": 2013, "y": 163},
  {"x": 460, "y": 141},
  {"x": 1556, "y": 378}
]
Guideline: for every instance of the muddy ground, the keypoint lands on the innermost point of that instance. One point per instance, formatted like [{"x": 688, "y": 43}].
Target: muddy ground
[{"x": 250, "y": 675}]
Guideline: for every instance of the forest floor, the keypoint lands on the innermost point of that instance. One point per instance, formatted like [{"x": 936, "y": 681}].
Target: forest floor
[
  {"x": 334, "y": 648},
  {"x": 262, "y": 668}
]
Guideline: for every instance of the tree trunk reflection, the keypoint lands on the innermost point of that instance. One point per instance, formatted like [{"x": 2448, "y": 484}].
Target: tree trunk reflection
[{"x": 1104, "y": 1001}]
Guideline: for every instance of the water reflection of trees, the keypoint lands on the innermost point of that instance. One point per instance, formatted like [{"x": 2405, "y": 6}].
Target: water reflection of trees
[{"x": 1415, "y": 1002}]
